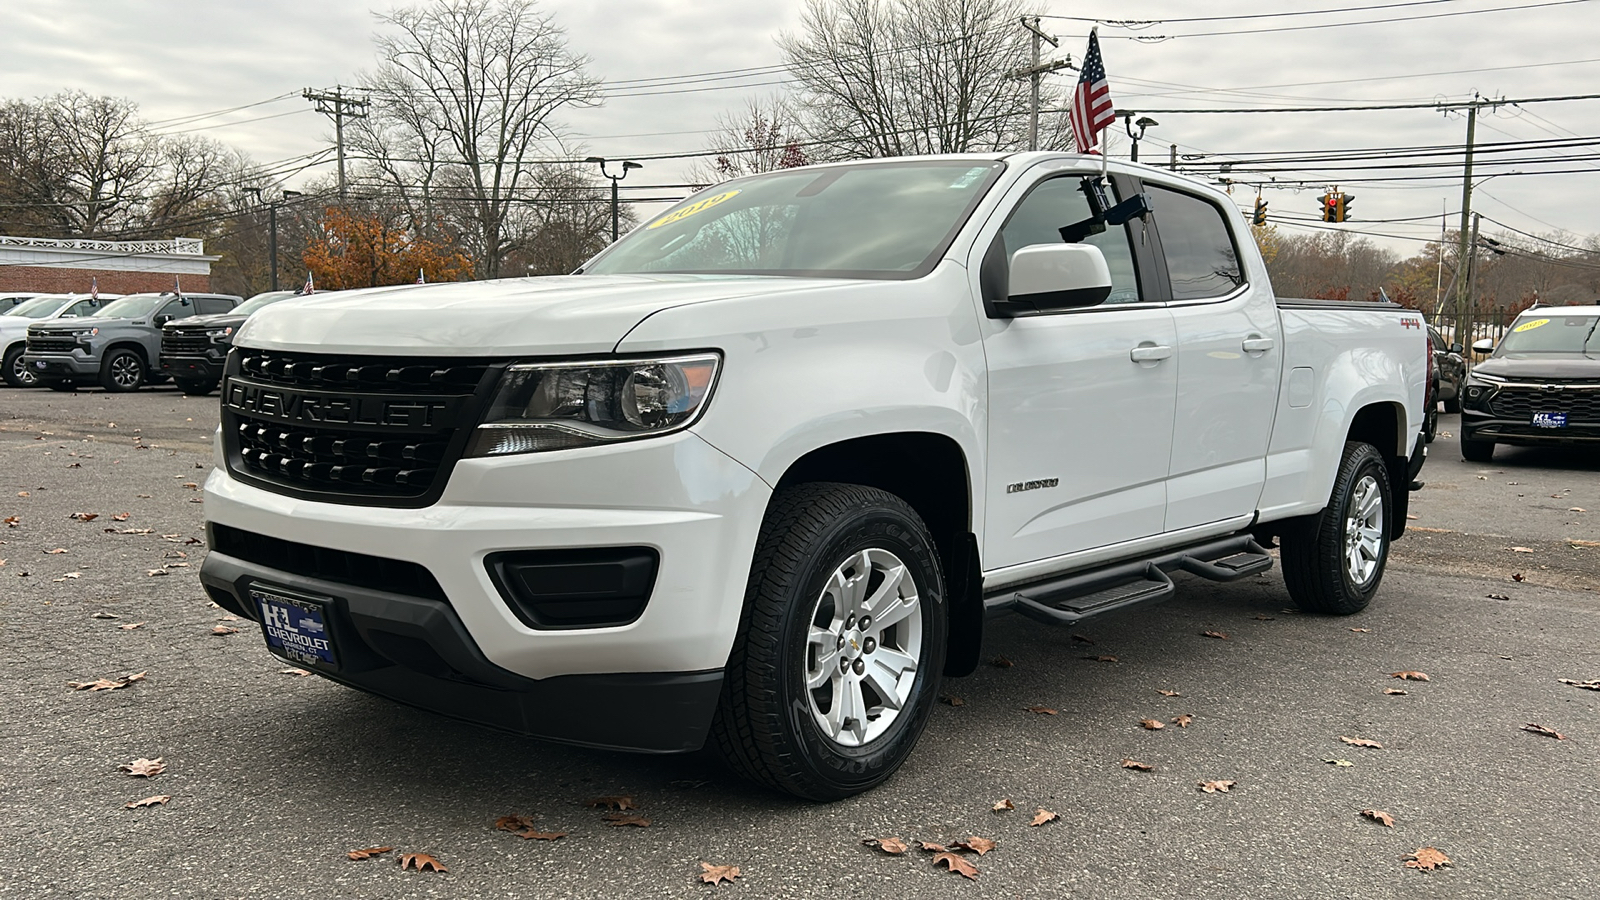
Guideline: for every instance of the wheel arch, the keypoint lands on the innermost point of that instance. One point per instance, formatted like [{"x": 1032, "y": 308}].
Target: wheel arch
[
  {"x": 1383, "y": 425},
  {"x": 931, "y": 473},
  {"x": 127, "y": 344}
]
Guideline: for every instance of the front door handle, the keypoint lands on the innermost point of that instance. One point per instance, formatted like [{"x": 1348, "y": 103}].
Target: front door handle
[
  {"x": 1257, "y": 344},
  {"x": 1149, "y": 353}
]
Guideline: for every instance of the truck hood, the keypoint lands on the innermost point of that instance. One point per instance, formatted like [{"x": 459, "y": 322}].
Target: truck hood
[
  {"x": 60, "y": 324},
  {"x": 213, "y": 320},
  {"x": 1544, "y": 367},
  {"x": 561, "y": 314}
]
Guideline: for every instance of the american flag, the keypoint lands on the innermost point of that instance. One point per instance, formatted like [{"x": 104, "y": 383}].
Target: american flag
[
  {"x": 94, "y": 287},
  {"x": 311, "y": 286},
  {"x": 1092, "y": 109}
]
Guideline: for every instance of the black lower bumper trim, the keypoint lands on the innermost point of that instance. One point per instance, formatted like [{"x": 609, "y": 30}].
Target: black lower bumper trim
[
  {"x": 416, "y": 650},
  {"x": 194, "y": 368}
]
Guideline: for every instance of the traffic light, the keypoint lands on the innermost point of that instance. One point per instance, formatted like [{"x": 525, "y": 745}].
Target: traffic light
[
  {"x": 1330, "y": 208},
  {"x": 1343, "y": 208},
  {"x": 1260, "y": 217}
]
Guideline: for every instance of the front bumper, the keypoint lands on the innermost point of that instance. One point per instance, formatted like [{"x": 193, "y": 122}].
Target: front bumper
[
  {"x": 52, "y": 366},
  {"x": 1477, "y": 425},
  {"x": 193, "y": 368},
  {"x": 696, "y": 508}
]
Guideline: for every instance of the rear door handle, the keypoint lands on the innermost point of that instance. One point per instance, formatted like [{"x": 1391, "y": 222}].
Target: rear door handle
[
  {"x": 1152, "y": 353},
  {"x": 1257, "y": 344}
]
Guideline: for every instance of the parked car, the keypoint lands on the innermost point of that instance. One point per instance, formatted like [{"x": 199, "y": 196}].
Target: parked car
[
  {"x": 1451, "y": 368},
  {"x": 15, "y": 298},
  {"x": 119, "y": 347},
  {"x": 14, "y": 324},
  {"x": 1539, "y": 387},
  {"x": 193, "y": 349},
  {"x": 758, "y": 474}
]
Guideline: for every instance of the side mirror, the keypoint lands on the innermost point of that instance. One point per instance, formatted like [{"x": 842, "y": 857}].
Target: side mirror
[
  {"x": 1455, "y": 347},
  {"x": 1047, "y": 277},
  {"x": 1484, "y": 346},
  {"x": 162, "y": 320}
]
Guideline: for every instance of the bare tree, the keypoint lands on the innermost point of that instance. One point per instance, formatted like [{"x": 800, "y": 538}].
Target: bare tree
[
  {"x": 900, "y": 77},
  {"x": 763, "y": 136},
  {"x": 568, "y": 221},
  {"x": 81, "y": 161},
  {"x": 464, "y": 95}
]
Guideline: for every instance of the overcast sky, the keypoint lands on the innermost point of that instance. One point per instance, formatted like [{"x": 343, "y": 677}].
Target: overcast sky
[{"x": 182, "y": 58}]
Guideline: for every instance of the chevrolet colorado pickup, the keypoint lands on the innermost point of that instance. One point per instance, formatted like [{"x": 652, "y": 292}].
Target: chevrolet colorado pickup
[{"x": 758, "y": 472}]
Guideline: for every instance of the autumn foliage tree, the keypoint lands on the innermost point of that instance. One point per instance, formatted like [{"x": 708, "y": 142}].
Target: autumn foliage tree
[{"x": 357, "y": 248}]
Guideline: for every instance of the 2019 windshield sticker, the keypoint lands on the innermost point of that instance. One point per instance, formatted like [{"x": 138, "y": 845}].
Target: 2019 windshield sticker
[
  {"x": 1529, "y": 326},
  {"x": 696, "y": 207}
]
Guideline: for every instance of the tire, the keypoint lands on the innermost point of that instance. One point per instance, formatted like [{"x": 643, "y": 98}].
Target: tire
[
  {"x": 195, "y": 388},
  {"x": 1476, "y": 451},
  {"x": 1453, "y": 405},
  {"x": 121, "y": 371},
  {"x": 816, "y": 542},
  {"x": 1333, "y": 561},
  {"x": 16, "y": 374},
  {"x": 1430, "y": 424}
]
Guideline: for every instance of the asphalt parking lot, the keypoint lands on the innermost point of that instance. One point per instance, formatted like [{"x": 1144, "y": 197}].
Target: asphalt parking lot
[{"x": 273, "y": 777}]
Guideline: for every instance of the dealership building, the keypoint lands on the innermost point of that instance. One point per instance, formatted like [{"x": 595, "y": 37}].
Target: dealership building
[{"x": 72, "y": 265}]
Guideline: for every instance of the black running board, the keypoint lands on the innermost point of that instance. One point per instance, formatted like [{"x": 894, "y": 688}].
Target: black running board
[{"x": 1070, "y": 599}]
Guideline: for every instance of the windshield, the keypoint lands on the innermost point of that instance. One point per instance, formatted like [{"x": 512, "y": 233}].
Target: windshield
[
  {"x": 879, "y": 220},
  {"x": 38, "y": 307},
  {"x": 258, "y": 301},
  {"x": 137, "y": 306},
  {"x": 1548, "y": 332}
]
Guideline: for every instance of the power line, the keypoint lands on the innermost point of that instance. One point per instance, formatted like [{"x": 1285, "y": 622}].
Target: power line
[
  {"x": 1284, "y": 28},
  {"x": 1436, "y": 104},
  {"x": 1137, "y": 23}
]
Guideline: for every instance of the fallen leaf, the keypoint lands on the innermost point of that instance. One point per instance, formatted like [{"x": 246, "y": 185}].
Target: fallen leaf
[
  {"x": 158, "y": 800},
  {"x": 1362, "y": 630},
  {"x": 1341, "y": 763},
  {"x": 156, "y": 573},
  {"x": 617, "y": 803},
  {"x": 1152, "y": 724},
  {"x": 368, "y": 853},
  {"x": 1395, "y": 692},
  {"x": 978, "y": 845},
  {"x": 1378, "y": 815},
  {"x": 952, "y": 701},
  {"x": 299, "y": 672},
  {"x": 1576, "y": 509},
  {"x": 1081, "y": 639},
  {"x": 1003, "y": 805},
  {"x": 144, "y": 768},
  {"x": 129, "y": 530},
  {"x": 191, "y": 486},
  {"x": 1212, "y": 787},
  {"x": 193, "y": 540},
  {"x": 22, "y": 493},
  {"x": 422, "y": 862},
  {"x": 1042, "y": 710},
  {"x": 1577, "y": 543},
  {"x": 1426, "y": 858},
  {"x": 1361, "y": 742},
  {"x": 1041, "y": 816},
  {"x": 1547, "y": 732},
  {"x": 1497, "y": 596},
  {"x": 1000, "y": 662},
  {"x": 69, "y": 575},
  {"x": 106, "y": 684},
  {"x": 531, "y": 835},
  {"x": 1410, "y": 676},
  {"x": 84, "y": 517},
  {"x": 891, "y": 846},
  {"x": 105, "y": 615},
  {"x": 716, "y": 874},
  {"x": 12, "y": 521},
  {"x": 957, "y": 865},
  {"x": 121, "y": 517},
  {"x": 129, "y": 627},
  {"x": 1137, "y": 766},
  {"x": 223, "y": 629},
  {"x": 1518, "y": 577},
  {"x": 1409, "y": 516},
  {"x": 1265, "y": 618},
  {"x": 1586, "y": 685},
  {"x": 1215, "y": 634},
  {"x": 1168, "y": 693},
  {"x": 931, "y": 847},
  {"x": 617, "y": 820},
  {"x": 1522, "y": 550},
  {"x": 56, "y": 551},
  {"x": 1102, "y": 658},
  {"x": 1183, "y": 720},
  {"x": 513, "y": 823}
]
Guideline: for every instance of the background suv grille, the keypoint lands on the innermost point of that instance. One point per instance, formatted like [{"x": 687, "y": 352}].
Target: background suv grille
[
  {"x": 175, "y": 341},
  {"x": 350, "y": 429},
  {"x": 1522, "y": 403},
  {"x": 50, "y": 344}
]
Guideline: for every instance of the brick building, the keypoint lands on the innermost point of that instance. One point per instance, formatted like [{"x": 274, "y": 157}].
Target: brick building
[{"x": 55, "y": 266}]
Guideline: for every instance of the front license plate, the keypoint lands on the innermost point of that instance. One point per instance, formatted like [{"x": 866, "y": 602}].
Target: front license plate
[
  {"x": 296, "y": 628},
  {"x": 1549, "y": 420}
]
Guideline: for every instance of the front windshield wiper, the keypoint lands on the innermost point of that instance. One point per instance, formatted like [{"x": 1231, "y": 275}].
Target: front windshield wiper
[{"x": 1589, "y": 337}]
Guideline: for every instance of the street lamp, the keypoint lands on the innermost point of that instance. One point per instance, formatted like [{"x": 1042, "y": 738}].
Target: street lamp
[
  {"x": 272, "y": 229},
  {"x": 626, "y": 165},
  {"x": 1143, "y": 123}
]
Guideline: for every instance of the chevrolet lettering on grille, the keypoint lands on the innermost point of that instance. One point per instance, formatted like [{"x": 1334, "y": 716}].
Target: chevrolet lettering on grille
[{"x": 327, "y": 408}]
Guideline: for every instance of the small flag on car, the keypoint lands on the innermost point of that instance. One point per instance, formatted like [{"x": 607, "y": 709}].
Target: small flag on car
[
  {"x": 311, "y": 286},
  {"x": 420, "y": 278},
  {"x": 94, "y": 288},
  {"x": 1092, "y": 109}
]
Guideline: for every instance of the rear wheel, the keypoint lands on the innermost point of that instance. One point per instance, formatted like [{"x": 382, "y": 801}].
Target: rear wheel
[
  {"x": 15, "y": 370},
  {"x": 834, "y": 670},
  {"x": 1477, "y": 451},
  {"x": 122, "y": 371},
  {"x": 195, "y": 388},
  {"x": 1334, "y": 560}
]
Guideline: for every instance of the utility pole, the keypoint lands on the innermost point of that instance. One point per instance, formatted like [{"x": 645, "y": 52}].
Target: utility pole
[
  {"x": 340, "y": 106},
  {"x": 1463, "y": 288},
  {"x": 1172, "y": 160},
  {"x": 1036, "y": 72},
  {"x": 1471, "y": 282}
]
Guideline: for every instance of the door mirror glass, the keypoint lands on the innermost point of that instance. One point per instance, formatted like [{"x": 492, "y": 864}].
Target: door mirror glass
[
  {"x": 1484, "y": 346},
  {"x": 163, "y": 319},
  {"x": 1457, "y": 348},
  {"x": 1047, "y": 277}
]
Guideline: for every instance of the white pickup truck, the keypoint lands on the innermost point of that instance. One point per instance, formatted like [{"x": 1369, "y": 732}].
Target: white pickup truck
[{"x": 759, "y": 471}]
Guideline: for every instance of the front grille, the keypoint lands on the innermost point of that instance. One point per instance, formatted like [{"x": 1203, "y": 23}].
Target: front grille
[
  {"x": 1523, "y": 402},
  {"x": 339, "y": 566},
  {"x": 350, "y": 429},
  {"x": 50, "y": 344},
  {"x": 184, "y": 343}
]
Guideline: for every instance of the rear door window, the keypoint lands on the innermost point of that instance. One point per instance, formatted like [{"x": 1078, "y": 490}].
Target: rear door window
[
  {"x": 211, "y": 305},
  {"x": 1202, "y": 260}
]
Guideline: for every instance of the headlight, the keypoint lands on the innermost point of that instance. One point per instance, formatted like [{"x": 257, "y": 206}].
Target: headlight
[
  {"x": 83, "y": 337},
  {"x": 556, "y": 406},
  {"x": 219, "y": 335}
]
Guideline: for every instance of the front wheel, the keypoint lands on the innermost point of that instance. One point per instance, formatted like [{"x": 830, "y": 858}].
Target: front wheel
[
  {"x": 122, "y": 371},
  {"x": 1334, "y": 560},
  {"x": 838, "y": 657},
  {"x": 16, "y": 370}
]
